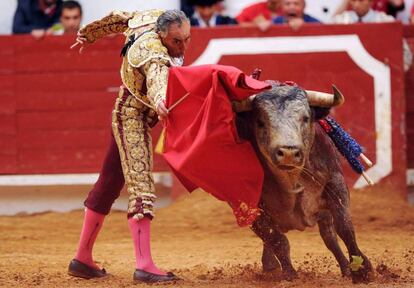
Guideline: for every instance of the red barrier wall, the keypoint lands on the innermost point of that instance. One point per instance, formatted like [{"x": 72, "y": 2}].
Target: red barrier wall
[{"x": 56, "y": 104}]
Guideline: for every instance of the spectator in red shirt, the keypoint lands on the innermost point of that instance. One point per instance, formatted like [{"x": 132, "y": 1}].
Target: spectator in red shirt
[{"x": 260, "y": 14}]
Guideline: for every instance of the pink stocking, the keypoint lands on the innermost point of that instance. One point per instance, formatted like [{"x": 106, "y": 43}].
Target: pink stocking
[
  {"x": 92, "y": 223},
  {"x": 140, "y": 231}
]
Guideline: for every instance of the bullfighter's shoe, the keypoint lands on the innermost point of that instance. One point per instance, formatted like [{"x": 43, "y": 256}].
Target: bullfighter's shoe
[
  {"x": 79, "y": 269},
  {"x": 141, "y": 276}
]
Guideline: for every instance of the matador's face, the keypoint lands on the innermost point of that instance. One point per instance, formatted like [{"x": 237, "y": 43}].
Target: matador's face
[{"x": 177, "y": 39}]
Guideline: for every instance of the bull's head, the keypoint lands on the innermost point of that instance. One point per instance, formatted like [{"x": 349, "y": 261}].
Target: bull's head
[{"x": 283, "y": 126}]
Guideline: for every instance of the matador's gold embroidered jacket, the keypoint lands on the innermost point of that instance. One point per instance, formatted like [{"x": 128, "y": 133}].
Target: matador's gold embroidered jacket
[{"x": 144, "y": 69}]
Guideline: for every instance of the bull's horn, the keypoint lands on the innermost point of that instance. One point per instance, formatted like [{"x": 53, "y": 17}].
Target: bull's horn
[{"x": 327, "y": 100}]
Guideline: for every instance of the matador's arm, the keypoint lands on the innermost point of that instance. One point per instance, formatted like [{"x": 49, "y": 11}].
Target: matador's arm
[
  {"x": 156, "y": 71},
  {"x": 115, "y": 22}
]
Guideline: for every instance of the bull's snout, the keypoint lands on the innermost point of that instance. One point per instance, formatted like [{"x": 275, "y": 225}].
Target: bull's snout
[{"x": 288, "y": 156}]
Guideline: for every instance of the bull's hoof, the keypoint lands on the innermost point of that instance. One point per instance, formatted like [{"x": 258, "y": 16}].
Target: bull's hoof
[
  {"x": 363, "y": 276},
  {"x": 269, "y": 261},
  {"x": 361, "y": 270},
  {"x": 290, "y": 275},
  {"x": 271, "y": 269},
  {"x": 271, "y": 265},
  {"x": 346, "y": 272}
]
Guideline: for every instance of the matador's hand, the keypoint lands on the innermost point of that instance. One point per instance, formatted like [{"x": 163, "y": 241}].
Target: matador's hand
[
  {"x": 162, "y": 111},
  {"x": 80, "y": 40}
]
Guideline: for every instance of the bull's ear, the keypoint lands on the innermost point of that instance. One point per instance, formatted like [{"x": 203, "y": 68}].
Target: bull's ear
[
  {"x": 244, "y": 125},
  {"x": 243, "y": 105},
  {"x": 319, "y": 112}
]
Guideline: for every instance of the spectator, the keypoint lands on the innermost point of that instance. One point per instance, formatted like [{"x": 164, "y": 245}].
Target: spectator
[
  {"x": 36, "y": 17},
  {"x": 412, "y": 15},
  {"x": 390, "y": 7},
  {"x": 206, "y": 14},
  {"x": 220, "y": 7},
  {"x": 186, "y": 7},
  {"x": 260, "y": 14},
  {"x": 70, "y": 18},
  {"x": 362, "y": 12},
  {"x": 293, "y": 13}
]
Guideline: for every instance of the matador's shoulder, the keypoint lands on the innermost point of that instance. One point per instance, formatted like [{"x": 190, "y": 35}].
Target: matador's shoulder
[
  {"x": 146, "y": 48},
  {"x": 142, "y": 18}
]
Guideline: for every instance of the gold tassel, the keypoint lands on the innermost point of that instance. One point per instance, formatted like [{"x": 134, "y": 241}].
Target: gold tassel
[{"x": 159, "y": 148}]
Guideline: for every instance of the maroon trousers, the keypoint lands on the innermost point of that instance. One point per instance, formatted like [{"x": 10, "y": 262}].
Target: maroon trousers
[{"x": 110, "y": 182}]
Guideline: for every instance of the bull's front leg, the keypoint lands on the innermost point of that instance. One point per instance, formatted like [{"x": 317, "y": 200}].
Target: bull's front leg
[
  {"x": 278, "y": 242},
  {"x": 361, "y": 268},
  {"x": 328, "y": 234},
  {"x": 338, "y": 203}
]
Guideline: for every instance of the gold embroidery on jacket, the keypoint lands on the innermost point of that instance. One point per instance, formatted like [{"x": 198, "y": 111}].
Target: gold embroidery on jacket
[
  {"x": 157, "y": 80},
  {"x": 145, "y": 48},
  {"x": 144, "y": 18},
  {"x": 145, "y": 69}
]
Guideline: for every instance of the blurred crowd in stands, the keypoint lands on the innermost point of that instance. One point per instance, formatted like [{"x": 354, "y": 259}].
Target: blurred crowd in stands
[
  {"x": 47, "y": 17},
  {"x": 57, "y": 17},
  {"x": 208, "y": 13}
]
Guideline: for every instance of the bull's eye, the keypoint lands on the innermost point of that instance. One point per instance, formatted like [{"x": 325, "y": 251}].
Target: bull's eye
[
  {"x": 305, "y": 119},
  {"x": 260, "y": 123}
]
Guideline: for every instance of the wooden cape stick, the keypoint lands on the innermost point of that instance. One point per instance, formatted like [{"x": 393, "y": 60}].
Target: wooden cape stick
[
  {"x": 369, "y": 164},
  {"x": 178, "y": 102},
  {"x": 366, "y": 160},
  {"x": 367, "y": 178}
]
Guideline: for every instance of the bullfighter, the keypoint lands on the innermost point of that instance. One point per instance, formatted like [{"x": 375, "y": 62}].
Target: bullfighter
[{"x": 155, "y": 41}]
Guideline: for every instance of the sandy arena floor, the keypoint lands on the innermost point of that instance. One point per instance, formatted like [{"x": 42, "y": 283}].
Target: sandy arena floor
[{"x": 197, "y": 238}]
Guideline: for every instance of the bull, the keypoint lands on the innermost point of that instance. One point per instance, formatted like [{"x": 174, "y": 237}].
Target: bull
[{"x": 303, "y": 184}]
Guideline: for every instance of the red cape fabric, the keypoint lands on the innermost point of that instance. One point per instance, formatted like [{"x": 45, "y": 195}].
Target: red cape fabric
[{"x": 201, "y": 142}]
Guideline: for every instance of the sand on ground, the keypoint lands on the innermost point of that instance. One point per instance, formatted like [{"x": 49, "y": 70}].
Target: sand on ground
[{"x": 197, "y": 238}]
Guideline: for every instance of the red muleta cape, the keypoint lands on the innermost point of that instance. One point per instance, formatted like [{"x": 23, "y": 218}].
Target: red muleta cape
[{"x": 201, "y": 142}]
